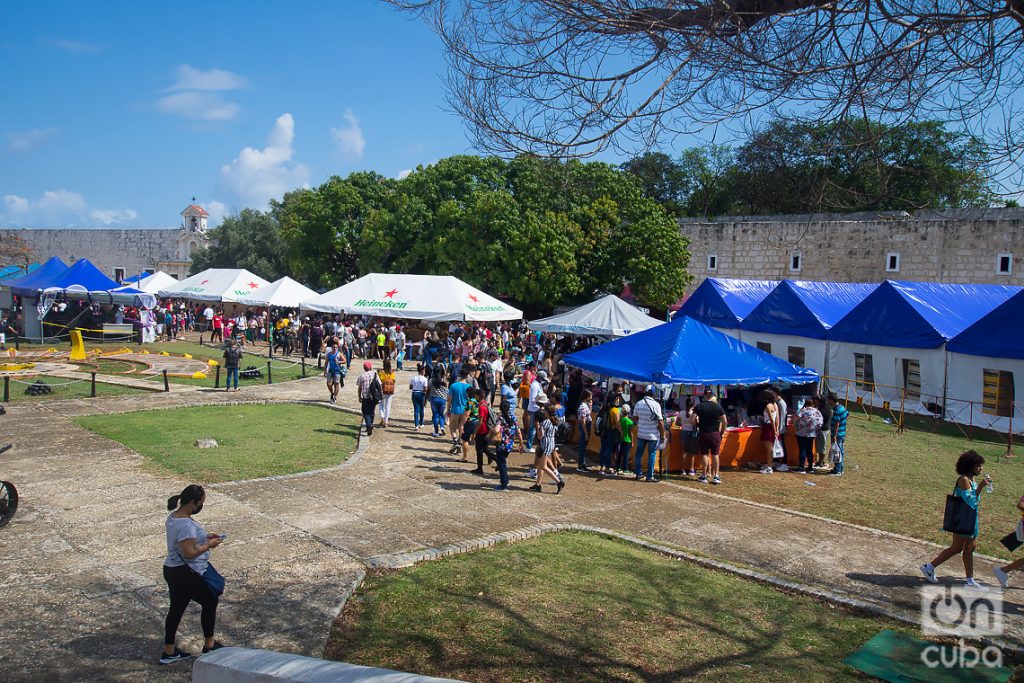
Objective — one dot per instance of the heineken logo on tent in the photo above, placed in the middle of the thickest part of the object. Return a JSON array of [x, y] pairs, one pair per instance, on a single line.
[[387, 302], [194, 289], [243, 292], [475, 307]]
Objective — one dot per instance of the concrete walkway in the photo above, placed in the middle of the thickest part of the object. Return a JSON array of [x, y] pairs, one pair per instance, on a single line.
[[80, 566]]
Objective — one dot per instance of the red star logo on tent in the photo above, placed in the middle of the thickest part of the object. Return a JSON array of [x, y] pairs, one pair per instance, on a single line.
[[391, 294], [253, 285], [204, 282], [474, 299]]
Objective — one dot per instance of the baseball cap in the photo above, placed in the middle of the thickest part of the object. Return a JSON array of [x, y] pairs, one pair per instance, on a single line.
[[367, 365], [543, 374]]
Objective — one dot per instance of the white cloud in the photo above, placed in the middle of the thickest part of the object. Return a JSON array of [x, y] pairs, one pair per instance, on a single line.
[[16, 204], [259, 175], [57, 209], [75, 47], [190, 78], [403, 174], [198, 105], [218, 211], [19, 142], [111, 216], [194, 94], [349, 140]]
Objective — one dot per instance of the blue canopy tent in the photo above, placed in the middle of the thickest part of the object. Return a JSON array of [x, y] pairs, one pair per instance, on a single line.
[[29, 284], [724, 303], [84, 281], [984, 362], [11, 272], [893, 344], [793, 321], [686, 351]]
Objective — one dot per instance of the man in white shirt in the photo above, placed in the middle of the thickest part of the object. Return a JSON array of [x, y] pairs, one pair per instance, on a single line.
[[650, 431], [208, 315]]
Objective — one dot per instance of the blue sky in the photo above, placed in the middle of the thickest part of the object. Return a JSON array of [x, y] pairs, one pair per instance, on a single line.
[[117, 113]]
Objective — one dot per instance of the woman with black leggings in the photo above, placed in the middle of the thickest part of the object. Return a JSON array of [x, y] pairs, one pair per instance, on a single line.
[[188, 557]]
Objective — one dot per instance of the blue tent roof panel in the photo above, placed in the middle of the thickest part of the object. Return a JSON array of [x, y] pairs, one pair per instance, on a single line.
[[686, 351], [83, 274], [39, 278], [805, 309], [725, 302], [999, 334], [918, 314]]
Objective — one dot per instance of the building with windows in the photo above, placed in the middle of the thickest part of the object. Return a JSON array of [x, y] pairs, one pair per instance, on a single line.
[[971, 246], [121, 253]]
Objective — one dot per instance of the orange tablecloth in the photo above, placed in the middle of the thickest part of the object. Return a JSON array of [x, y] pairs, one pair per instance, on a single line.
[[739, 445]]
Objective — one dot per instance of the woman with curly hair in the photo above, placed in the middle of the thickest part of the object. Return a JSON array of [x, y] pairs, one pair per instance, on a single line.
[[968, 466]]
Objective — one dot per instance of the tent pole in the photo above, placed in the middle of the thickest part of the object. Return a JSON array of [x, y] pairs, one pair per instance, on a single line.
[[945, 378]]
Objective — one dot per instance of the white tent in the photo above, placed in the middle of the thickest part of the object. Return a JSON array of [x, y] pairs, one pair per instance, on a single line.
[[151, 284], [609, 316], [416, 297], [227, 285], [284, 292]]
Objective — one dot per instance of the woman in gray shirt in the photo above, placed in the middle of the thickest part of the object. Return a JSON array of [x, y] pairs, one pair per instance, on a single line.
[[188, 557]]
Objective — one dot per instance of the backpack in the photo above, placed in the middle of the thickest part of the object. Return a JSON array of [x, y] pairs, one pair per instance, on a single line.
[[562, 432], [376, 390], [601, 424]]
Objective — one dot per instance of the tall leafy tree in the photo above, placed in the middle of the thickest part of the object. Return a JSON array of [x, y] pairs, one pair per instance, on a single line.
[[250, 240]]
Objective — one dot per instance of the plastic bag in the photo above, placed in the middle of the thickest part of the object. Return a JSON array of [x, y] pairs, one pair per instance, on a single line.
[[834, 454], [777, 452]]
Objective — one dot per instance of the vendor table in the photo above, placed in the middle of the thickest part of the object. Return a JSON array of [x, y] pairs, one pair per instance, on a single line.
[[739, 446]]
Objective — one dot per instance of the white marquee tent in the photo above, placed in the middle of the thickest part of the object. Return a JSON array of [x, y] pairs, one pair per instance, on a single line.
[[227, 285], [416, 297], [151, 284], [285, 292], [609, 316]]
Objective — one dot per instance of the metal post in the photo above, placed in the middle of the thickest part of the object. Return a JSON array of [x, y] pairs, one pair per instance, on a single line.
[[167, 387], [270, 376], [17, 345], [216, 379], [7, 389], [92, 389], [200, 338], [304, 364]]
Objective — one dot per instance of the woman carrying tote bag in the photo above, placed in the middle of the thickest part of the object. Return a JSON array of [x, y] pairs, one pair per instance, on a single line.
[[962, 508]]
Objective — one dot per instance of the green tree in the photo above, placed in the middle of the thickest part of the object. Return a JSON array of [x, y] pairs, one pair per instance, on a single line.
[[664, 180], [857, 165], [250, 240]]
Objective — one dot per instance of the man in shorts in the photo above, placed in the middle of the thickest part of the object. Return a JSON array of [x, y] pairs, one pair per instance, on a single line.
[[458, 402], [334, 373], [711, 423]]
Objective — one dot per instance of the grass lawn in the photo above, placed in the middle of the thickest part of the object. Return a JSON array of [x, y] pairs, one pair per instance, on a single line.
[[896, 482], [254, 440], [581, 607]]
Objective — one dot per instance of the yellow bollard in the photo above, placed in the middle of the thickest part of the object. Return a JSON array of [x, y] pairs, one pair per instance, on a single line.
[[198, 375], [212, 363], [187, 355], [164, 353], [77, 346]]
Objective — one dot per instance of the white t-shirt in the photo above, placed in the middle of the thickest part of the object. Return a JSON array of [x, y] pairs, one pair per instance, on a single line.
[[536, 389], [647, 415], [418, 383], [783, 412], [208, 313]]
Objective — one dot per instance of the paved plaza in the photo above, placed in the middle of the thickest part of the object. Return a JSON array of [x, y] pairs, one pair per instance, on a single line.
[[80, 564]]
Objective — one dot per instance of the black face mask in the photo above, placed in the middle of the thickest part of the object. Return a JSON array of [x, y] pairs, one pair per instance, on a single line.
[[198, 509]]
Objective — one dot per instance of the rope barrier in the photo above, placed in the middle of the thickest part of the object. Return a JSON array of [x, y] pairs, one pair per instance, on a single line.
[[50, 384]]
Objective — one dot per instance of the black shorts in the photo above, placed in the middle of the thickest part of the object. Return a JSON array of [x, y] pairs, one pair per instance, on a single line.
[[469, 430], [710, 442]]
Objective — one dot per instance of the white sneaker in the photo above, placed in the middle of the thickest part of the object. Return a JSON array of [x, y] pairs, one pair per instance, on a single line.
[[1002, 577], [765, 470], [971, 583], [782, 467], [929, 572], [531, 473]]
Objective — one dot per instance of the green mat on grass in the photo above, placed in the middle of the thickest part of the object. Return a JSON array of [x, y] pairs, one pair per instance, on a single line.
[[898, 658]]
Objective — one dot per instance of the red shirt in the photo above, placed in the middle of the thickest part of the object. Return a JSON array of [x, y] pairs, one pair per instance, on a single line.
[[218, 322], [484, 413]]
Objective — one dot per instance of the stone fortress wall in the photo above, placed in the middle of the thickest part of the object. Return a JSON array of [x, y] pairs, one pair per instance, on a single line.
[[966, 246], [129, 250]]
